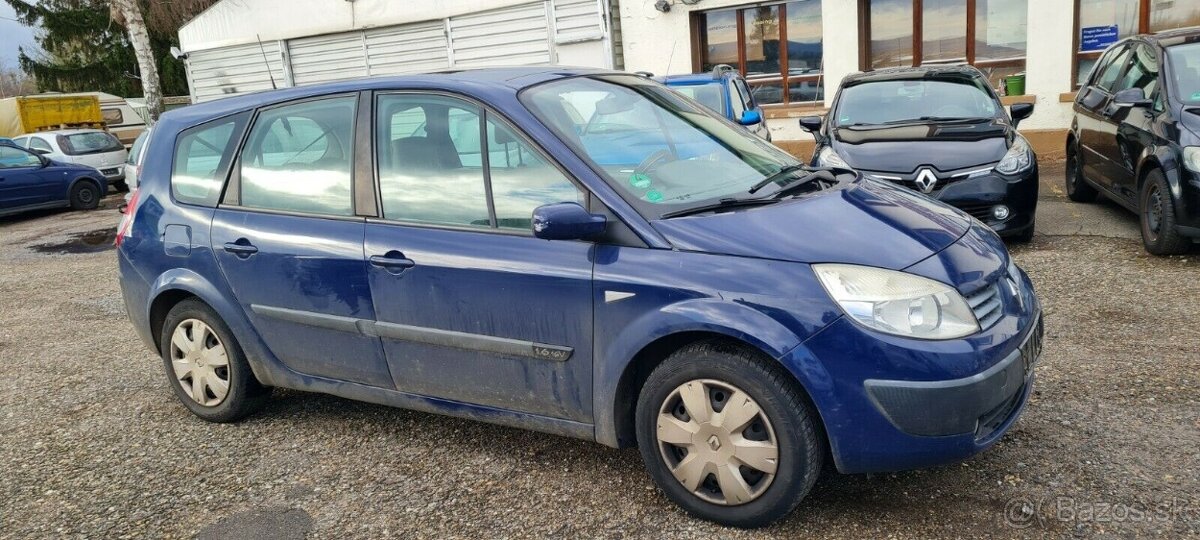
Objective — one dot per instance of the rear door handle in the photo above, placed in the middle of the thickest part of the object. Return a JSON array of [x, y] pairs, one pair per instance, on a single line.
[[393, 260], [242, 248]]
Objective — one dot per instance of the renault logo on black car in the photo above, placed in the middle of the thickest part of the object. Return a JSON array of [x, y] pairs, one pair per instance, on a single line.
[[926, 180]]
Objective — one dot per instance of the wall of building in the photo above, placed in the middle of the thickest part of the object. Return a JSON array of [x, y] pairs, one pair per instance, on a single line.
[[661, 43]]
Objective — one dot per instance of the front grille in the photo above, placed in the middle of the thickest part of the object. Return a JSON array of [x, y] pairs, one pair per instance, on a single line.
[[109, 172], [986, 305]]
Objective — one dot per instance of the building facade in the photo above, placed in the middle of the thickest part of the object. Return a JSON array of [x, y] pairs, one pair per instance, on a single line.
[[237, 46], [793, 52]]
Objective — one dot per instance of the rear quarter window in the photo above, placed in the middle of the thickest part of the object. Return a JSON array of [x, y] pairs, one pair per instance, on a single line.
[[202, 157]]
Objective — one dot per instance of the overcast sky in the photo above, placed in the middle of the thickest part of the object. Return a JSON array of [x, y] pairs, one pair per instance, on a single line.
[[12, 35]]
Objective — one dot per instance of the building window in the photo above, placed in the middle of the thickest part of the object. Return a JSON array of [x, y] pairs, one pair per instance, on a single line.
[[989, 34], [1100, 23], [753, 39]]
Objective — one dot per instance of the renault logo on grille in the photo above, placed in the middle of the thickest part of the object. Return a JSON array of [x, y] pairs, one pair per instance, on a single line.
[[926, 180]]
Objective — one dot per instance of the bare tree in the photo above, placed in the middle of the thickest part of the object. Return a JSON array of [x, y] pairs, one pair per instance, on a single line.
[[129, 13]]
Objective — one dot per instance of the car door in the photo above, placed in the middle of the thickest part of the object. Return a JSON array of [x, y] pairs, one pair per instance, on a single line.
[[1134, 125], [290, 246], [470, 306], [21, 181], [1097, 126]]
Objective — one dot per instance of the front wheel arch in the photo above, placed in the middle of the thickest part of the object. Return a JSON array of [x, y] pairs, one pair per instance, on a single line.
[[656, 352]]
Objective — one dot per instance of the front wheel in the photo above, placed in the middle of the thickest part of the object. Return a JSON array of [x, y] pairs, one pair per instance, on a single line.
[[727, 435], [85, 195], [1157, 212]]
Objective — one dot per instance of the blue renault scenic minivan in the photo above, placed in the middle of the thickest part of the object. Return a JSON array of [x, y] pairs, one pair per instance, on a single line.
[[578, 252]]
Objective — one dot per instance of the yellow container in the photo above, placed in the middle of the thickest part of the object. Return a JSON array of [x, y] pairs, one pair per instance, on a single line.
[[27, 114]]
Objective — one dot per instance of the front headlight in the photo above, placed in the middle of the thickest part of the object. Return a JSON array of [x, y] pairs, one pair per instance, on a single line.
[[1018, 158], [1191, 158], [828, 158], [898, 303]]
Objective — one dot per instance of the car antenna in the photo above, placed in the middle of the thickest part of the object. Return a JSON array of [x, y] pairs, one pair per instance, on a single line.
[[265, 61]]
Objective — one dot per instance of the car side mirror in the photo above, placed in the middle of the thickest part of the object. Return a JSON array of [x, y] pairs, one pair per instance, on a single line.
[[1131, 97], [566, 221], [811, 124], [1020, 111], [45, 160], [750, 118]]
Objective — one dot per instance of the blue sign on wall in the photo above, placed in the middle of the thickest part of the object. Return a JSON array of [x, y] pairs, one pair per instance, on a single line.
[[1097, 38]]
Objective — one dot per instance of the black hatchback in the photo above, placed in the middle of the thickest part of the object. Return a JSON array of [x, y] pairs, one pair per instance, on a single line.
[[939, 130], [1135, 136]]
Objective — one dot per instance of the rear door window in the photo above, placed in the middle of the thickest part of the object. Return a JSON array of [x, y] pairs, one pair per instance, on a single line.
[[298, 158], [202, 158]]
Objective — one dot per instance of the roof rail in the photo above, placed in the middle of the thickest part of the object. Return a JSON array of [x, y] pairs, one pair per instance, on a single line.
[[720, 70]]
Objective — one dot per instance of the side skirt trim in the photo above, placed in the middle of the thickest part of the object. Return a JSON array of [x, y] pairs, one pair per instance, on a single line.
[[419, 334]]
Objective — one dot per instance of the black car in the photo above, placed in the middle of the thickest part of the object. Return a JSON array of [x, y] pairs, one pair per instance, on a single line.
[[940, 130], [1136, 136]]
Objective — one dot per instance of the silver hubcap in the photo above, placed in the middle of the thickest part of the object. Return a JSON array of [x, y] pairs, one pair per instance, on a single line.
[[200, 363], [717, 442]]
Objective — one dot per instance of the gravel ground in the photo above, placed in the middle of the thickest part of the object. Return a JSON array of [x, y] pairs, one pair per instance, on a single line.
[[93, 444]]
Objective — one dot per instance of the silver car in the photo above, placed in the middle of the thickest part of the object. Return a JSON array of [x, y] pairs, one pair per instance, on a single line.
[[91, 147]]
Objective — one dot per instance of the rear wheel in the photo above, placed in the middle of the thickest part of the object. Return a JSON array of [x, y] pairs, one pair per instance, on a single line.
[[1078, 189], [85, 195], [1157, 211], [727, 435], [205, 365]]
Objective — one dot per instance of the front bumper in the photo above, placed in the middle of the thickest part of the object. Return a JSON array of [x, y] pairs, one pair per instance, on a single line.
[[978, 196], [977, 404], [890, 403]]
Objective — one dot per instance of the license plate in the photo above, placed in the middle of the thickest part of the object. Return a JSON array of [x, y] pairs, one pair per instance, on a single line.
[[1032, 348], [109, 172]]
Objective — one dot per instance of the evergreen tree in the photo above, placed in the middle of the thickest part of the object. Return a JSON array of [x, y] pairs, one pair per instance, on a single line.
[[85, 48]]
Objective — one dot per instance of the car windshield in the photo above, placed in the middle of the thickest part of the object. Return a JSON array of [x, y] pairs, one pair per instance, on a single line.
[[662, 152], [916, 100], [708, 94], [1185, 72], [89, 142]]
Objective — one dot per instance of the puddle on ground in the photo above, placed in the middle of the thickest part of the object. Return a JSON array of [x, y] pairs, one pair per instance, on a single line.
[[86, 242]]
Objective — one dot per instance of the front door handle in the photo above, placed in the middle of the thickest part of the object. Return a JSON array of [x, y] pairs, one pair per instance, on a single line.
[[392, 261], [242, 248]]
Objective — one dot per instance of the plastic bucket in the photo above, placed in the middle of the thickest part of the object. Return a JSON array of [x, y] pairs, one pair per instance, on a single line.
[[1015, 85]]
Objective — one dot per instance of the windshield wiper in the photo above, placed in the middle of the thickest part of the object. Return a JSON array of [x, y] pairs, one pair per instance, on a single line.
[[939, 119], [825, 175], [779, 175], [719, 205]]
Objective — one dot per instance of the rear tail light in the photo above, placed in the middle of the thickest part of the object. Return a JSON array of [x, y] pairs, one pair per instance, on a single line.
[[129, 211]]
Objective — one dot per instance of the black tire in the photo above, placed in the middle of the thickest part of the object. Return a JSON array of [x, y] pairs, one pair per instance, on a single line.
[[1078, 189], [1023, 237], [245, 394], [788, 414], [1156, 212], [85, 195]]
